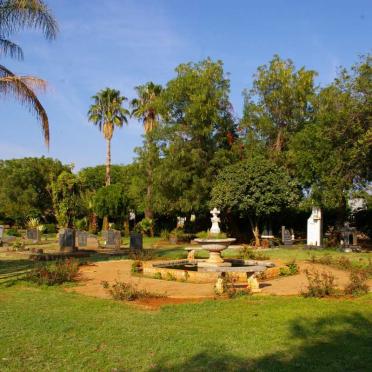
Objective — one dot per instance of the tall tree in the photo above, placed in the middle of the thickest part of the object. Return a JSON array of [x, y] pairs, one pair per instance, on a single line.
[[279, 103], [107, 112], [194, 137], [16, 15], [144, 108], [333, 155]]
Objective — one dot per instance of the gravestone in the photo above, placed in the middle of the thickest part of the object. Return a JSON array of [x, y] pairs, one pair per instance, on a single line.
[[1, 231], [286, 236], [33, 234], [82, 238], [112, 239], [314, 228], [136, 241], [66, 239], [92, 241]]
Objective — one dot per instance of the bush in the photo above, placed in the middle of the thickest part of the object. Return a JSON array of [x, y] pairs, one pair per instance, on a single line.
[[144, 226], [57, 273], [50, 228], [158, 275], [122, 291], [289, 269], [18, 245], [142, 255], [358, 283], [164, 234], [248, 253], [226, 285], [13, 232], [137, 266], [170, 277], [320, 284]]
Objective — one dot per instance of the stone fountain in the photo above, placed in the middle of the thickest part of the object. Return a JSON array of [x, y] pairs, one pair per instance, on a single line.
[[213, 244]]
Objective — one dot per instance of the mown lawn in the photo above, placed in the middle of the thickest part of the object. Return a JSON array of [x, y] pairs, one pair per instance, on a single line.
[[47, 329]]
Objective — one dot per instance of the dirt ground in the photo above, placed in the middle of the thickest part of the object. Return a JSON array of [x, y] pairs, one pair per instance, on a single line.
[[174, 292]]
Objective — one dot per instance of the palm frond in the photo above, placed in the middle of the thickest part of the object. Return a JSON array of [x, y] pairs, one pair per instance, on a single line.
[[7, 47], [23, 89], [19, 14]]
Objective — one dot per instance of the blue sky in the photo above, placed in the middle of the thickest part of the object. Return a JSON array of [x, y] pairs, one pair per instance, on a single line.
[[124, 43]]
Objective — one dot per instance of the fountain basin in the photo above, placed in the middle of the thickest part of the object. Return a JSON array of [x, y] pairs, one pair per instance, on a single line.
[[214, 247]]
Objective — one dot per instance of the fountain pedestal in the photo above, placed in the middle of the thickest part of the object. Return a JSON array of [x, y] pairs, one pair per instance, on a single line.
[[214, 247]]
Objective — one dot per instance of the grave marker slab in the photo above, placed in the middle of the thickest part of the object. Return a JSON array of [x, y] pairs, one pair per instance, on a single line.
[[112, 239], [66, 239], [286, 236], [81, 237], [33, 234], [136, 241]]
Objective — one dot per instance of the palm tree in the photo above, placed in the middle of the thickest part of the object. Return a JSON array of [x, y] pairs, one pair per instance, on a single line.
[[144, 109], [107, 112], [16, 15]]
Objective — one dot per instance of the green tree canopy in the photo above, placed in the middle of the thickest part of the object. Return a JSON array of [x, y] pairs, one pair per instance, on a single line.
[[279, 103], [254, 188], [25, 188], [111, 201]]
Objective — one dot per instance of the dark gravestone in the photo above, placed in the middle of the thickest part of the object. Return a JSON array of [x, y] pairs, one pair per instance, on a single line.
[[112, 239], [286, 236], [33, 234], [136, 241], [66, 238], [82, 238]]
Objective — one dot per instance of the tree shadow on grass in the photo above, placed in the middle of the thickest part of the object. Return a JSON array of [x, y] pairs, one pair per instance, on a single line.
[[12, 271], [339, 343]]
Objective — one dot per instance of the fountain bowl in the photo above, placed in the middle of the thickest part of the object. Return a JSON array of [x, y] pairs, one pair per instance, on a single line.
[[214, 247]]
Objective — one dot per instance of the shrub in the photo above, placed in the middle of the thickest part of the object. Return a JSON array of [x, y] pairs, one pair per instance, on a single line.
[[358, 283], [144, 226], [170, 277], [226, 286], [137, 266], [289, 269], [13, 232], [18, 245], [50, 228], [164, 234], [158, 275], [326, 260], [122, 291], [320, 284], [248, 253], [344, 263], [57, 273]]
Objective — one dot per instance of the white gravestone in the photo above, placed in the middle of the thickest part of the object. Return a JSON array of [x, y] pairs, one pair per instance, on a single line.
[[215, 229], [314, 228]]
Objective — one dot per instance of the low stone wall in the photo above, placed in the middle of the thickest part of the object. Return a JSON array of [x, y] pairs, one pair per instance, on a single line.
[[158, 270]]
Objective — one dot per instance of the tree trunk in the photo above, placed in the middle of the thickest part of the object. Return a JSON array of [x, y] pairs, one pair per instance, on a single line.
[[108, 162], [278, 146], [105, 223], [255, 231], [149, 213], [93, 223]]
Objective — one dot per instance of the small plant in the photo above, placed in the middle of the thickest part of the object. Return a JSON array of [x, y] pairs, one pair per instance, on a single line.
[[320, 284], [33, 223], [247, 253], [57, 273], [41, 229], [122, 291], [137, 266], [164, 234], [344, 263], [18, 245], [13, 232], [169, 276], [158, 275], [358, 283], [326, 260], [50, 228], [289, 269], [144, 226], [226, 285]]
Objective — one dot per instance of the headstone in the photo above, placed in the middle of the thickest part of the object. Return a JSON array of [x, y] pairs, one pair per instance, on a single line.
[[286, 236], [215, 229], [136, 241], [33, 234], [81, 237], [314, 228], [181, 222], [1, 231], [112, 239], [66, 239], [92, 242]]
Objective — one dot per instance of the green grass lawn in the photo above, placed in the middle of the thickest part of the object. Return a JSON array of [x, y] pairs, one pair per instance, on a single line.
[[47, 329]]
